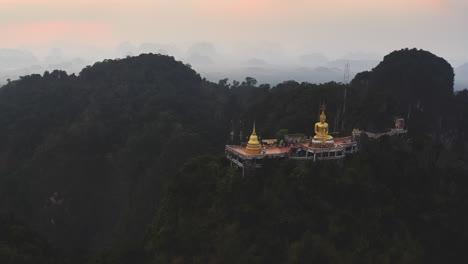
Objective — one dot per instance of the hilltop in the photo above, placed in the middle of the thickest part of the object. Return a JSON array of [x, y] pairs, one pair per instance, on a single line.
[[84, 161]]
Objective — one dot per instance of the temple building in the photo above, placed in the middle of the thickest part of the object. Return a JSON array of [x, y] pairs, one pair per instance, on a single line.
[[399, 130], [320, 147]]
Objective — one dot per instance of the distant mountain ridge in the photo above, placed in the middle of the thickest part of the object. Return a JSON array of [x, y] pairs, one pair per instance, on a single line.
[[461, 77]]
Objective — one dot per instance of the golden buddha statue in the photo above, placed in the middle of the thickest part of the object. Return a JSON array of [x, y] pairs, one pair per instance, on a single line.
[[253, 146], [321, 128]]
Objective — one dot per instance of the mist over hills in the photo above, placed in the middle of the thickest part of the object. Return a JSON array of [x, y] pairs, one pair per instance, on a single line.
[[267, 62], [19, 62], [461, 77]]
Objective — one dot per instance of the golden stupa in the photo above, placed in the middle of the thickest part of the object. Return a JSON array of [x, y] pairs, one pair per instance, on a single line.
[[321, 128], [253, 146]]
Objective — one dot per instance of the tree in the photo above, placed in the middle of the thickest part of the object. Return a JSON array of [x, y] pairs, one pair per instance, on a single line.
[[224, 82], [281, 134], [249, 81], [235, 84]]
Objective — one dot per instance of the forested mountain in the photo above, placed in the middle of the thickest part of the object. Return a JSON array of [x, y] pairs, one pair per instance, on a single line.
[[19, 244], [385, 205], [411, 83], [83, 158], [84, 161]]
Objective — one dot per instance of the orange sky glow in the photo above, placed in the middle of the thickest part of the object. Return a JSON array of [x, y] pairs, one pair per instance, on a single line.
[[52, 31], [257, 7], [109, 22]]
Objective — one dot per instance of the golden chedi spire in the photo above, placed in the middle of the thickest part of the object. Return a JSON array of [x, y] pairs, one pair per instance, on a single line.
[[253, 146]]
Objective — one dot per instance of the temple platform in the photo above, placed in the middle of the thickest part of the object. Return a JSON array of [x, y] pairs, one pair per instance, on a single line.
[[333, 149], [305, 150], [320, 143]]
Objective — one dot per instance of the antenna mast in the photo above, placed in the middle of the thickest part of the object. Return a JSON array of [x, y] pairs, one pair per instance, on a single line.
[[231, 134], [346, 83], [241, 129]]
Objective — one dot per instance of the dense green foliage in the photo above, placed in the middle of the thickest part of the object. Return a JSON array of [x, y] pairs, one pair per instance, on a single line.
[[296, 107], [413, 84], [410, 83], [84, 158], [397, 201], [84, 161], [103, 141], [382, 206], [20, 245]]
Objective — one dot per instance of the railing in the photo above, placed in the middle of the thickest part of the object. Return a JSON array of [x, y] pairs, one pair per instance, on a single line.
[[330, 157], [341, 148], [334, 149], [302, 158], [231, 149], [390, 133], [344, 138], [238, 163]]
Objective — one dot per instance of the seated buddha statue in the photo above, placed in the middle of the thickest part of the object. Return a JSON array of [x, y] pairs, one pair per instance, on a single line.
[[321, 128]]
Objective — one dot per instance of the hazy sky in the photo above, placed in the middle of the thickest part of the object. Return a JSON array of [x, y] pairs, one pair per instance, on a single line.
[[332, 27]]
